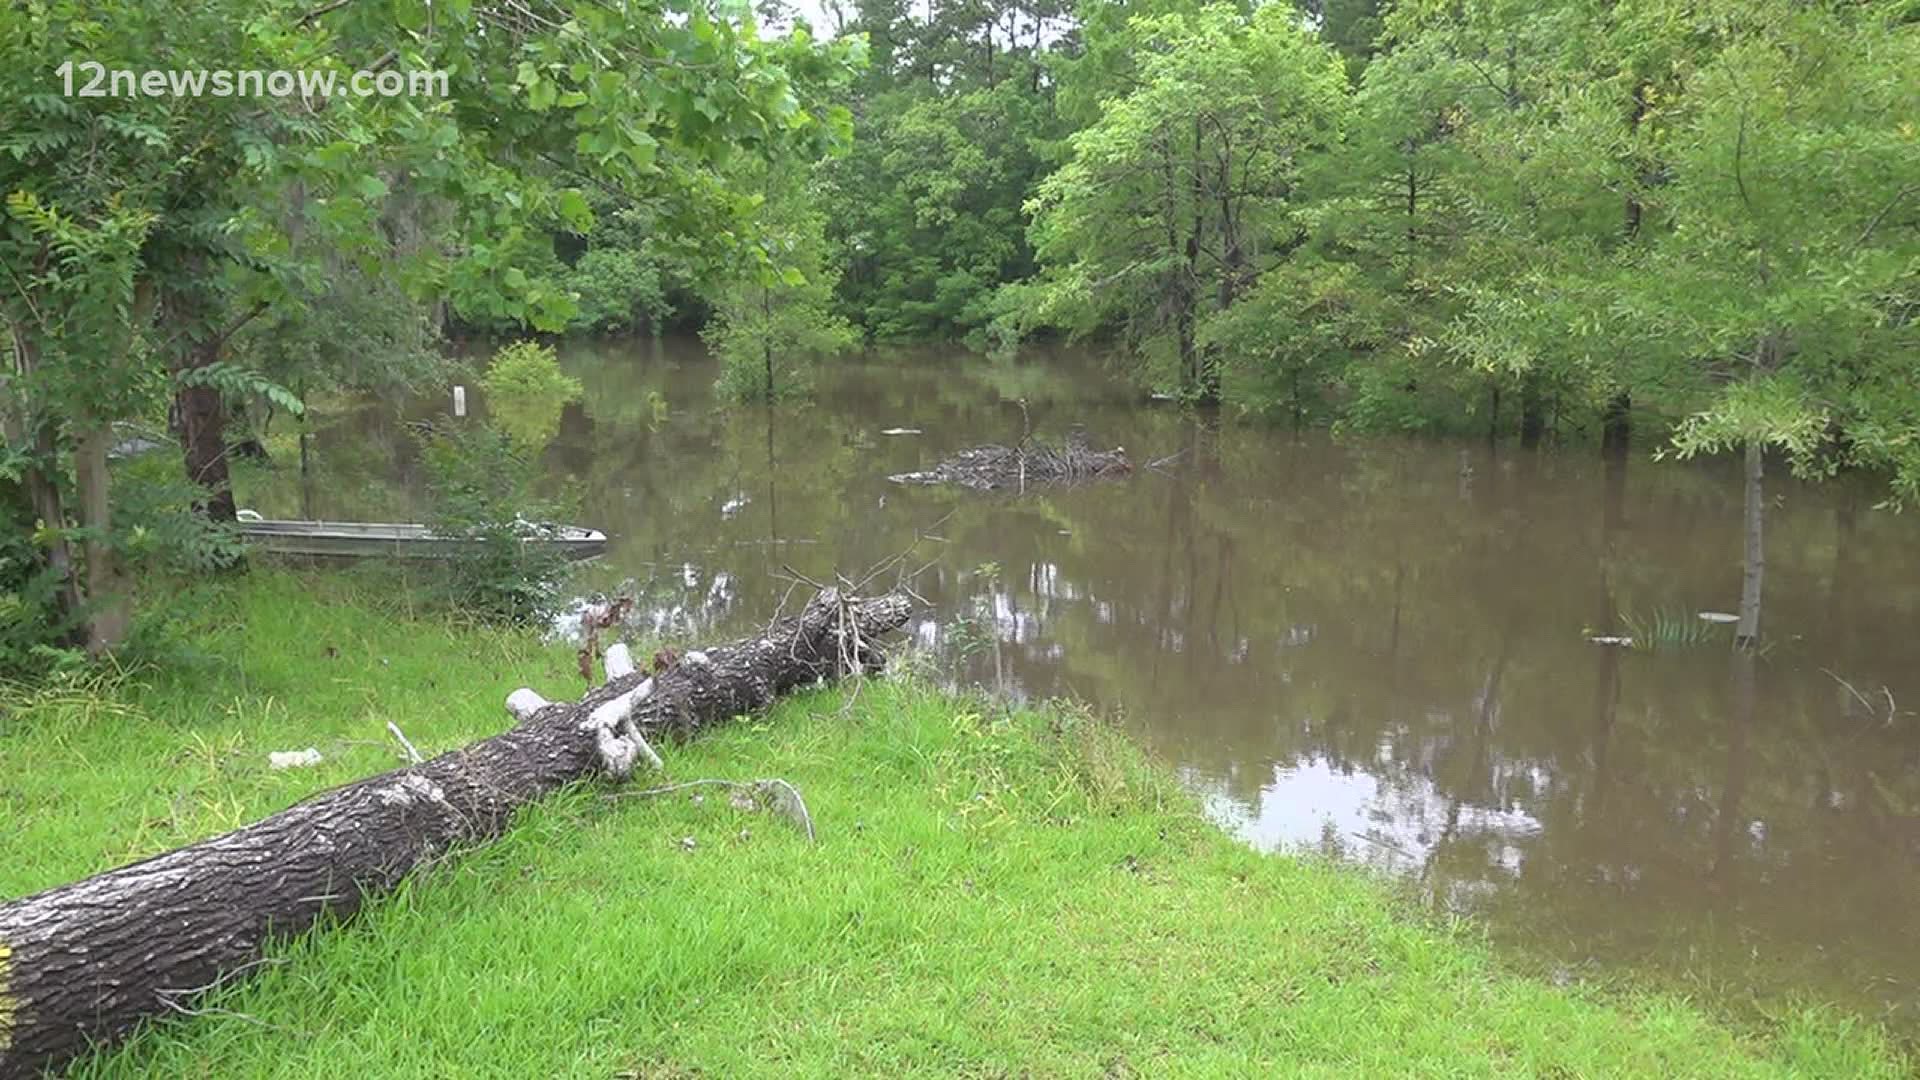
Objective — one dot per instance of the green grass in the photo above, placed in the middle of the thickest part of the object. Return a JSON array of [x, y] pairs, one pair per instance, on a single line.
[[992, 893], [1660, 630]]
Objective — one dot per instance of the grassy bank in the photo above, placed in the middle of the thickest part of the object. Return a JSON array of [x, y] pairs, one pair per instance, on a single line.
[[992, 893]]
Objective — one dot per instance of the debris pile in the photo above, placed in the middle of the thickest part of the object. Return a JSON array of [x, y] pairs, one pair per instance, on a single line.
[[1032, 463]]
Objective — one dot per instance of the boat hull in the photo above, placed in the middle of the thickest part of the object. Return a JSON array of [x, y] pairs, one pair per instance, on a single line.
[[371, 540]]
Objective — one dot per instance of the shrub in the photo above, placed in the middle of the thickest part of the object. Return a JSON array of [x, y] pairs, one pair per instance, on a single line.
[[158, 537], [526, 392], [617, 289], [482, 487]]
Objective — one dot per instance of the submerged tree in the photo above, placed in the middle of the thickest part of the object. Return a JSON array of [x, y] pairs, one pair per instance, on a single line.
[[1782, 289], [526, 393], [774, 315]]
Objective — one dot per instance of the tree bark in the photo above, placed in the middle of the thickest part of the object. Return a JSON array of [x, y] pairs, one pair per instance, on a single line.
[[1634, 208], [108, 615], [1617, 424], [766, 311], [201, 412], [1533, 413], [203, 438], [83, 964]]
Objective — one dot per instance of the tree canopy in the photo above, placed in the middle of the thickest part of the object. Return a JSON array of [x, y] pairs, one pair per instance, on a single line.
[[1549, 220]]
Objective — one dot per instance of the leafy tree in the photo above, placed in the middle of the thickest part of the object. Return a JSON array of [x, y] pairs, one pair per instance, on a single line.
[[950, 171], [955, 121], [76, 315], [1780, 324], [774, 315], [1182, 187], [617, 289], [541, 98]]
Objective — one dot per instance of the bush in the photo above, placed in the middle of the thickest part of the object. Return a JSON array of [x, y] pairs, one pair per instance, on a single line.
[[35, 637], [526, 392], [482, 486], [157, 535], [617, 289], [768, 336]]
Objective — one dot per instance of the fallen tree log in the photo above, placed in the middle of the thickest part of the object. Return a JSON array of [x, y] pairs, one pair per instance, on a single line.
[[83, 964]]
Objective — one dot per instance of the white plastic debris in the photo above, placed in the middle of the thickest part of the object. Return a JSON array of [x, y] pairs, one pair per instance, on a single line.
[[293, 759], [619, 661]]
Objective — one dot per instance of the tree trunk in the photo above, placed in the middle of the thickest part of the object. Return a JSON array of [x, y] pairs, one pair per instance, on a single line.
[[1634, 209], [1616, 431], [203, 437], [1413, 200], [306, 474], [1755, 563], [200, 411], [82, 964], [1533, 413], [1183, 330], [1206, 376], [40, 479], [107, 605], [766, 310]]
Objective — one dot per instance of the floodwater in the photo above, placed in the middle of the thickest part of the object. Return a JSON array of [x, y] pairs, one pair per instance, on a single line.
[[1373, 648]]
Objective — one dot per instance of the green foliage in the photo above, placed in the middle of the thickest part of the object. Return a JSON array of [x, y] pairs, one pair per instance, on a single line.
[[526, 392], [35, 634], [956, 122], [158, 242], [928, 206], [72, 302], [774, 316], [236, 384], [157, 536], [1661, 630], [617, 289], [1170, 202], [1288, 342], [1519, 215], [157, 532], [482, 486]]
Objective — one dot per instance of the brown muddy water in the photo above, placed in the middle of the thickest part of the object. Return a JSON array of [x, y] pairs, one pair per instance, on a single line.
[[1373, 648]]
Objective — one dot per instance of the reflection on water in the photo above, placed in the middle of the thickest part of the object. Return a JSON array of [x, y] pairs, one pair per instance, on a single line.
[[1377, 649]]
